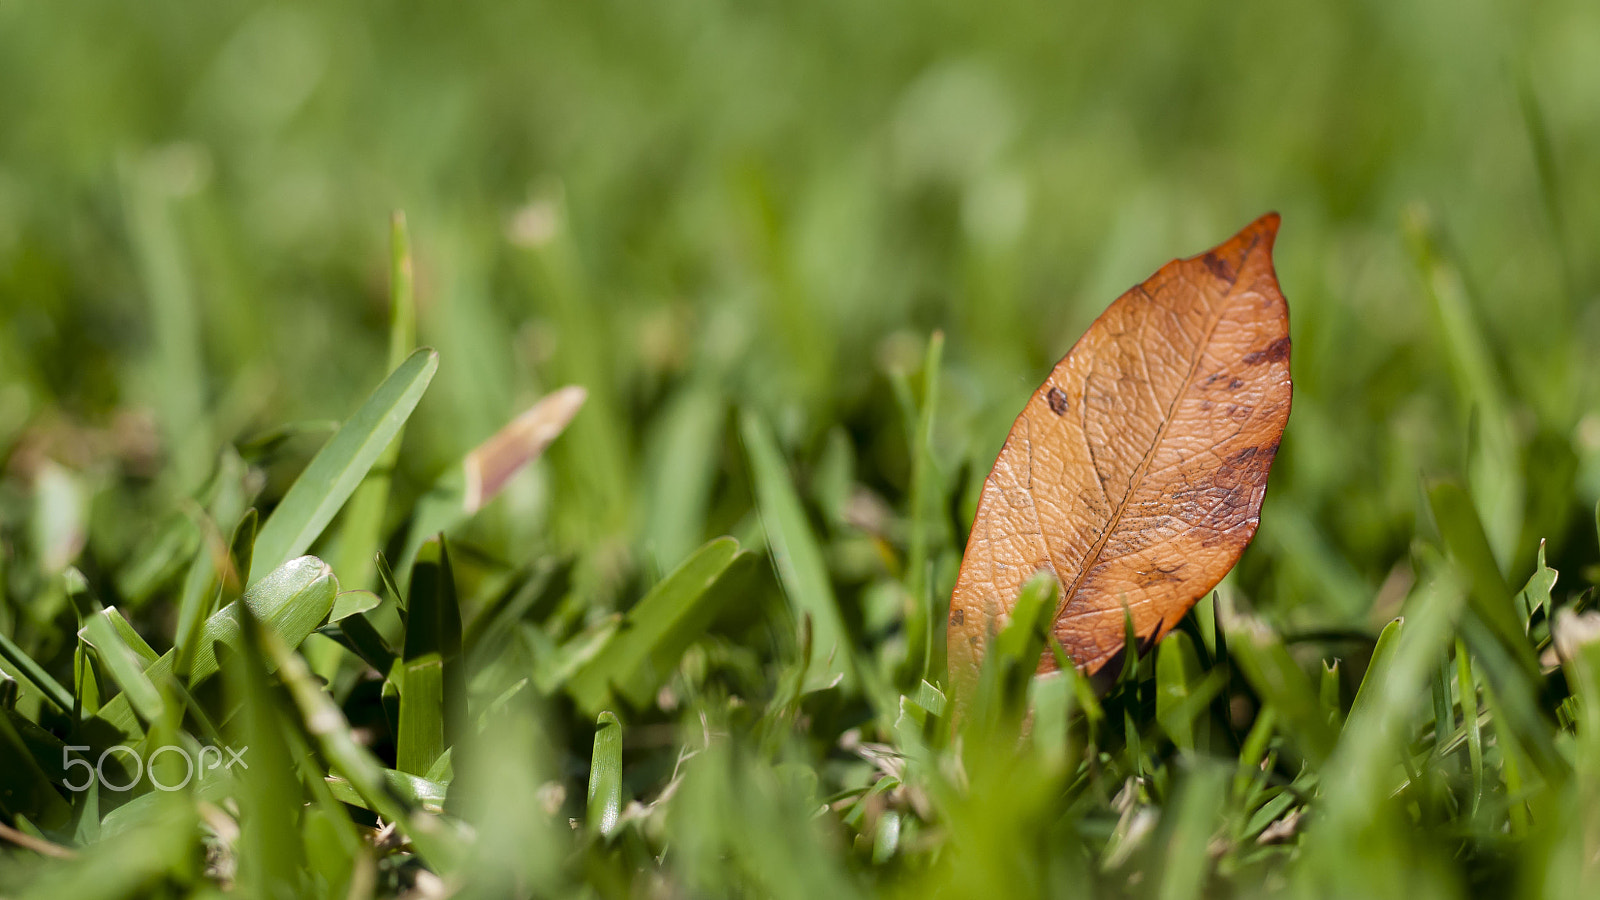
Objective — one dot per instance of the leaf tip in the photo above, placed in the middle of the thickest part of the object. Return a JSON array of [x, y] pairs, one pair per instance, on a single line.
[[1262, 233]]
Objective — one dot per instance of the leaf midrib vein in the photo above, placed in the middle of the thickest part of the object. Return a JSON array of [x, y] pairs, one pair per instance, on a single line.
[[1139, 471]]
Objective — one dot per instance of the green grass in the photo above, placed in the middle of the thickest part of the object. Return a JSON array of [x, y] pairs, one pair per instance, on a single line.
[[806, 261]]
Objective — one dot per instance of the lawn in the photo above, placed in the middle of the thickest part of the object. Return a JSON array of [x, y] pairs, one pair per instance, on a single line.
[[526, 449]]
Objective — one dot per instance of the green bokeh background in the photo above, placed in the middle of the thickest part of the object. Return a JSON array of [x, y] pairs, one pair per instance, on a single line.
[[778, 200], [698, 207]]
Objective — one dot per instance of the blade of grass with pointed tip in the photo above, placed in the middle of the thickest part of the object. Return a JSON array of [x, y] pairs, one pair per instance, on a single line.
[[362, 532], [1443, 716], [1535, 595], [443, 769], [35, 675], [645, 650], [485, 471], [419, 792], [605, 775], [125, 665], [1495, 464], [129, 636], [1353, 779], [338, 468], [1052, 705], [1328, 695], [1492, 632], [1377, 666], [925, 655], [1490, 597], [799, 560], [433, 632], [241, 553], [194, 604], [1177, 680], [349, 603], [995, 698]]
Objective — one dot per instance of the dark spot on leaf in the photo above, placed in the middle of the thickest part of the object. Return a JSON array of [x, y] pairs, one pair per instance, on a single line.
[[958, 617], [1235, 384], [1252, 463], [1057, 400], [1219, 267], [1276, 351]]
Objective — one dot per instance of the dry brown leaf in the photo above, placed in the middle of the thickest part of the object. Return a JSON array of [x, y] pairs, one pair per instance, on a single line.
[[1136, 471], [492, 464]]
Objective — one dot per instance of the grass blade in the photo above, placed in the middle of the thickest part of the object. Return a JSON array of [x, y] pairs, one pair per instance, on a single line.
[[361, 534], [25, 789], [35, 675], [433, 630], [605, 775], [644, 651], [681, 468], [338, 468], [125, 665], [484, 472], [1467, 697], [927, 614], [350, 603], [420, 740], [419, 792], [1178, 685], [271, 857], [797, 556], [290, 603], [1495, 464], [330, 731], [178, 379], [1281, 683], [1490, 597], [1187, 861], [1535, 595]]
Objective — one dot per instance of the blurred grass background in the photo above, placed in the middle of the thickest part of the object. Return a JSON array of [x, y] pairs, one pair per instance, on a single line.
[[757, 204], [700, 208]]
